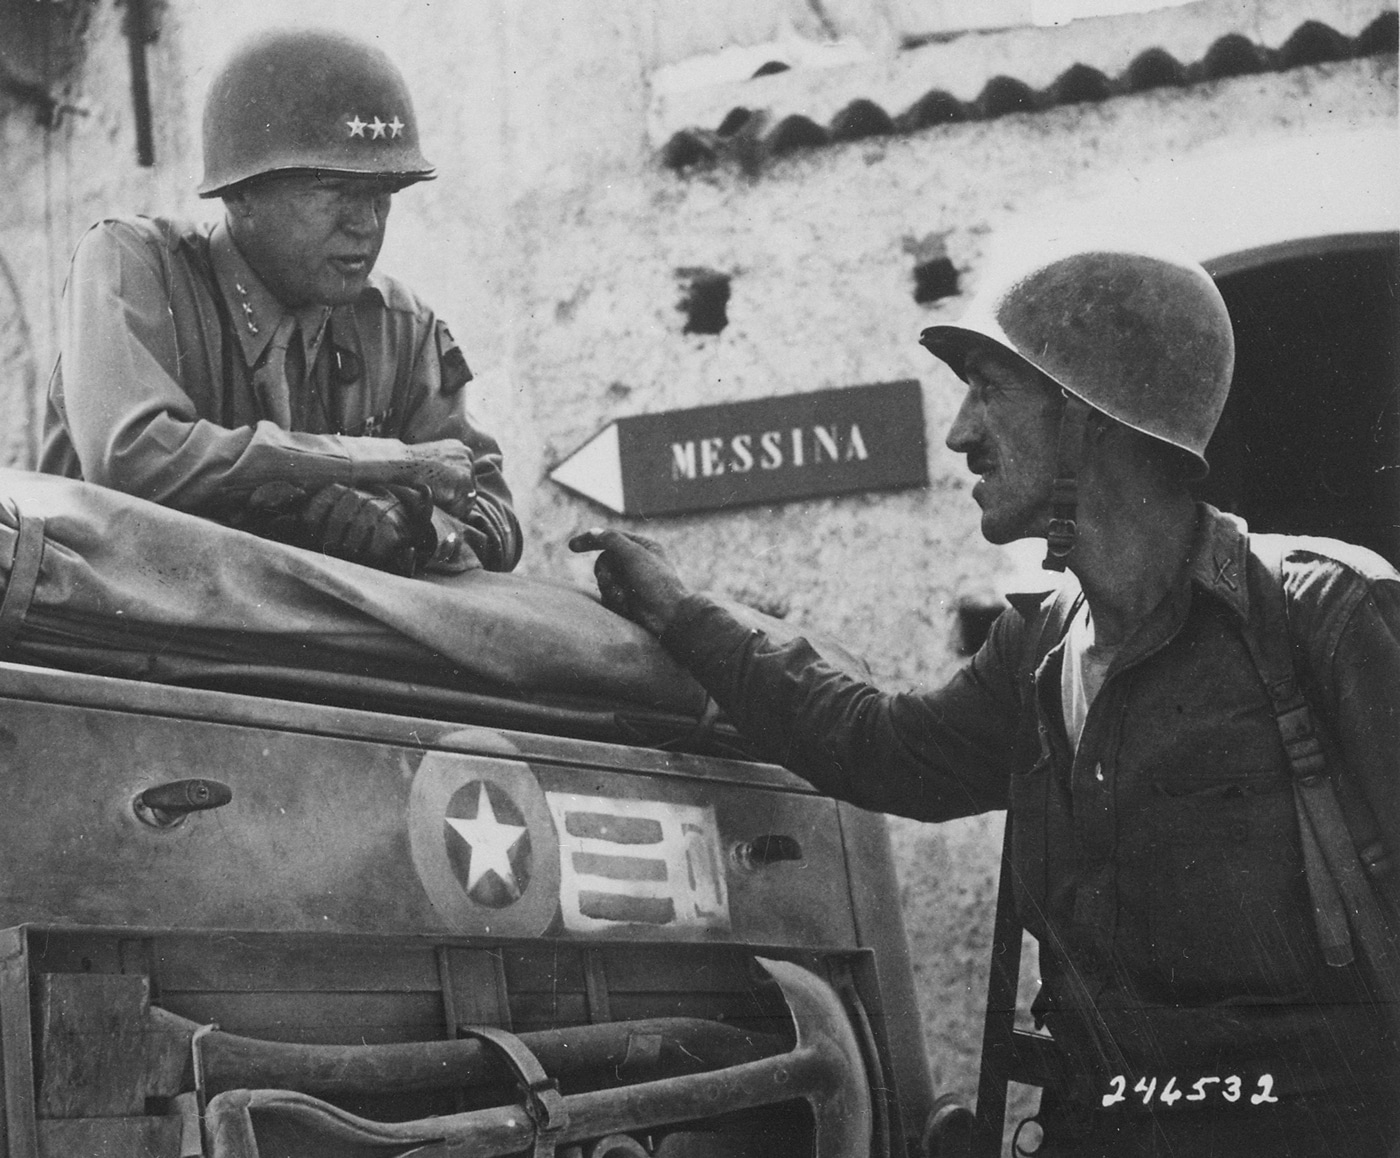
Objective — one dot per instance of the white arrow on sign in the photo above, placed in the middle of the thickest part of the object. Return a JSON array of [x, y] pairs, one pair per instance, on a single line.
[[766, 450], [594, 470]]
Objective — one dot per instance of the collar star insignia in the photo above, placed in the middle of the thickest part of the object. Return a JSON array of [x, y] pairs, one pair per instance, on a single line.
[[490, 841], [396, 127], [377, 127], [249, 317], [357, 126]]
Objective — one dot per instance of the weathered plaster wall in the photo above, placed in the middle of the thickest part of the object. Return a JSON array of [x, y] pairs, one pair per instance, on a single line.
[[58, 180], [552, 241]]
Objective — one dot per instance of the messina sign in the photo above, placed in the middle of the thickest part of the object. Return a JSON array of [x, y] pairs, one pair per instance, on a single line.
[[827, 442]]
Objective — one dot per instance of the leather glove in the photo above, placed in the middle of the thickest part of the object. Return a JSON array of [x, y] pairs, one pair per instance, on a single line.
[[465, 544], [271, 511], [389, 527], [445, 467], [453, 552]]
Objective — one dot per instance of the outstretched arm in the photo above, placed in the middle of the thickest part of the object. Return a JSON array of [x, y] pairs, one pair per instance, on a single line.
[[936, 756], [636, 578]]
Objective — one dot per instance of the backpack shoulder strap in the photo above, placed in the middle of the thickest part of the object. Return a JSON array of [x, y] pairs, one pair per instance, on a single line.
[[1343, 899]]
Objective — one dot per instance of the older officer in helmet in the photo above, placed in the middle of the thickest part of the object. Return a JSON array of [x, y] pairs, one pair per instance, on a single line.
[[1178, 810], [259, 371]]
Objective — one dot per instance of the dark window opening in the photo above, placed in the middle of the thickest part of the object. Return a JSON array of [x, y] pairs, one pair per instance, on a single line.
[[934, 280], [704, 300], [734, 120], [1310, 439]]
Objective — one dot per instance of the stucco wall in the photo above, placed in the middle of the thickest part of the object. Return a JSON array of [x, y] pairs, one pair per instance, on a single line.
[[58, 180], [552, 242]]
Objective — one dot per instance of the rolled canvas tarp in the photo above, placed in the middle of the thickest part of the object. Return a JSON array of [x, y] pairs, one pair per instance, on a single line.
[[136, 589]]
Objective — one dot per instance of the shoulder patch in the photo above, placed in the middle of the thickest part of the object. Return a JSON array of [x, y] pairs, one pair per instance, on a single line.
[[451, 361]]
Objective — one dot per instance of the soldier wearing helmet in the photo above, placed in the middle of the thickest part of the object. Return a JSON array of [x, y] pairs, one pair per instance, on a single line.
[[259, 371], [1196, 737]]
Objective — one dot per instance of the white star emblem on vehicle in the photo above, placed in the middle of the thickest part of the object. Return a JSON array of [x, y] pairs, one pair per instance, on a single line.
[[378, 127], [395, 127], [357, 126], [491, 842]]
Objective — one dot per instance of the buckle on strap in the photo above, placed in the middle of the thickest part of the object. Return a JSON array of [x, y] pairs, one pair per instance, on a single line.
[[1059, 542], [1061, 530], [544, 1104], [1069, 453]]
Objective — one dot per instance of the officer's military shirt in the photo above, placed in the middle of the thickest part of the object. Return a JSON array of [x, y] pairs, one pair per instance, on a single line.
[[163, 390], [1159, 863]]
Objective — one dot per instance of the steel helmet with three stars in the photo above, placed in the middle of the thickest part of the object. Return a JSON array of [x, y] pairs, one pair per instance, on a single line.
[[1141, 335], [302, 99]]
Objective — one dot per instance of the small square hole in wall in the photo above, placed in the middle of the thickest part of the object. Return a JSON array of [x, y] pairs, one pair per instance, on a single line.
[[934, 280], [704, 300]]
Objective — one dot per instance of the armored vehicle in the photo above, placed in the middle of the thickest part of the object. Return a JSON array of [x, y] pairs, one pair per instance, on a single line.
[[297, 914]]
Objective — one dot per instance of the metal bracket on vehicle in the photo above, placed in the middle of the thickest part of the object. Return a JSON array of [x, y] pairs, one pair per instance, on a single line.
[[201, 1099], [824, 1067], [543, 1102]]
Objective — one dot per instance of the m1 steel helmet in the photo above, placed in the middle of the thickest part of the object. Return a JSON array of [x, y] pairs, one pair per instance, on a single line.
[[309, 99], [1145, 338]]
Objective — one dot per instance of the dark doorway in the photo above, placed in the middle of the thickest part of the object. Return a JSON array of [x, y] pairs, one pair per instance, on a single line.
[[1310, 440]]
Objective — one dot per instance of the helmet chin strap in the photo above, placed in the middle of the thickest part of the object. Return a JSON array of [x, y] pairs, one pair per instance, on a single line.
[[1064, 498]]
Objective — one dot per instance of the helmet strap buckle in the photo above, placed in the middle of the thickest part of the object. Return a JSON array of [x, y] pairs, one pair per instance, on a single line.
[[1059, 542], [1062, 528]]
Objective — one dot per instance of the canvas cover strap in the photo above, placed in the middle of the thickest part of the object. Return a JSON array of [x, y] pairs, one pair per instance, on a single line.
[[24, 576]]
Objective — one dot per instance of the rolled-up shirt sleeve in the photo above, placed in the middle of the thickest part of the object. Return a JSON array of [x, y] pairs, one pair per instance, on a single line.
[[931, 756]]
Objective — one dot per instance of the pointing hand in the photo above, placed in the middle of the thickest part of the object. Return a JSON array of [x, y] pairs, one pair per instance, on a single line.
[[635, 577]]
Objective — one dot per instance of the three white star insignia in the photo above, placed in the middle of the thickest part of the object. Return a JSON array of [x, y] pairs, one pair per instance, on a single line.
[[377, 127], [490, 841]]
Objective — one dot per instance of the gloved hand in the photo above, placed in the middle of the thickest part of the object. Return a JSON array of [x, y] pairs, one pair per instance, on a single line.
[[635, 577], [464, 544], [388, 527], [271, 511], [445, 467]]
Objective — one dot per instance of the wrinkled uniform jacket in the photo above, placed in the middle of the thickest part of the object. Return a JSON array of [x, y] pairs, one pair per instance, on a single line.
[[155, 392], [1159, 865]]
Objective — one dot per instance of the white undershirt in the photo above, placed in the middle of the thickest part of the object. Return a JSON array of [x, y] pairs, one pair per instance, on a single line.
[[1082, 673]]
